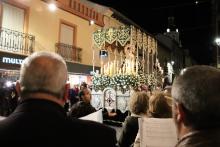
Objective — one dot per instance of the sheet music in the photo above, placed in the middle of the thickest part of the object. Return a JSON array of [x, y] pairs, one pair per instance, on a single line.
[[155, 132], [95, 116], [2, 117]]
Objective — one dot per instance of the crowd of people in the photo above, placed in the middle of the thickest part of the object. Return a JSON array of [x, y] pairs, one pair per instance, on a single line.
[[141, 105], [8, 98], [40, 119]]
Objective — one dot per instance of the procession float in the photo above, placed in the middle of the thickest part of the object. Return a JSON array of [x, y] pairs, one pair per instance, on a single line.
[[128, 60]]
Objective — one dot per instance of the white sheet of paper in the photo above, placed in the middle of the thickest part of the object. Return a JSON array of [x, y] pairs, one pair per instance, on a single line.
[[95, 116], [155, 132], [2, 117]]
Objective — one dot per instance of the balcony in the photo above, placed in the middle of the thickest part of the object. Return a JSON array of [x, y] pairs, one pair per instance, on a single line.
[[69, 52], [16, 42]]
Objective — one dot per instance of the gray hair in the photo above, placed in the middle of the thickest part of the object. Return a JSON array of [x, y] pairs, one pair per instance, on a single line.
[[138, 103], [43, 72], [197, 88]]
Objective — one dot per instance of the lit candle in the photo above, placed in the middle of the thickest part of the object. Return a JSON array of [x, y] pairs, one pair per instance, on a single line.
[[126, 66], [114, 67], [132, 66], [148, 62], [108, 68], [123, 69], [111, 69], [129, 67], [136, 67], [104, 70], [101, 68], [117, 68]]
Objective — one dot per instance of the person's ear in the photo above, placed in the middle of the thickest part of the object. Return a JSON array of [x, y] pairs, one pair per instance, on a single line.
[[180, 114], [66, 92], [18, 88]]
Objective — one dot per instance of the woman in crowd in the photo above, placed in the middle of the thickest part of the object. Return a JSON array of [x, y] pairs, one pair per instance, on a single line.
[[138, 105], [159, 107]]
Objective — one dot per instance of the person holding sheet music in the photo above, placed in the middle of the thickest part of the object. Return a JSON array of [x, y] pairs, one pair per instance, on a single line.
[[158, 108], [138, 105]]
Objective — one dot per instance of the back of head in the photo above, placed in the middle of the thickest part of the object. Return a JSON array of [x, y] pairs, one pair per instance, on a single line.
[[83, 85], [138, 103], [197, 89], [43, 72], [159, 106]]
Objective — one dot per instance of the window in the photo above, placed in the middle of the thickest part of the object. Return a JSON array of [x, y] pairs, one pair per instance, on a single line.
[[67, 33], [67, 46], [13, 17]]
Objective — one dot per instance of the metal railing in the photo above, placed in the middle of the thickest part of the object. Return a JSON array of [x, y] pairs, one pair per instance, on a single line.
[[14, 41], [69, 52]]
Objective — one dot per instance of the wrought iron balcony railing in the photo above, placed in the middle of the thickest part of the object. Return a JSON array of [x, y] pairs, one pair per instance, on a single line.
[[69, 52], [14, 41]]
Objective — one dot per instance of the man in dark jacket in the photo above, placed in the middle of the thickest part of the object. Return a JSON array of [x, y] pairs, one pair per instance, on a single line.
[[83, 107], [196, 107], [40, 120]]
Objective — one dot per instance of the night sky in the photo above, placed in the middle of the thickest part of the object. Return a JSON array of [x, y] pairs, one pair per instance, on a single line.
[[192, 19]]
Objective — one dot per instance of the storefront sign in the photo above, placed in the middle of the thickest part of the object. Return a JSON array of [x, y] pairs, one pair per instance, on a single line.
[[12, 60]]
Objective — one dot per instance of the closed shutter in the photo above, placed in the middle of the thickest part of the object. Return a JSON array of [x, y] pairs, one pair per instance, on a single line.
[[13, 17], [66, 34], [12, 38]]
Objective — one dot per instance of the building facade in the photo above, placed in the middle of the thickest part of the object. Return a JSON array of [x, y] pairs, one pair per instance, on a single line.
[[216, 33], [63, 27], [170, 52]]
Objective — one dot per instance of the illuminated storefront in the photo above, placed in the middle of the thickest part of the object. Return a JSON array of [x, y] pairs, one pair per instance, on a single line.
[[9, 66], [79, 73]]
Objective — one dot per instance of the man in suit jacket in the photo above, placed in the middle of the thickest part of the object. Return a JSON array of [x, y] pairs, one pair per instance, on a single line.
[[40, 120]]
